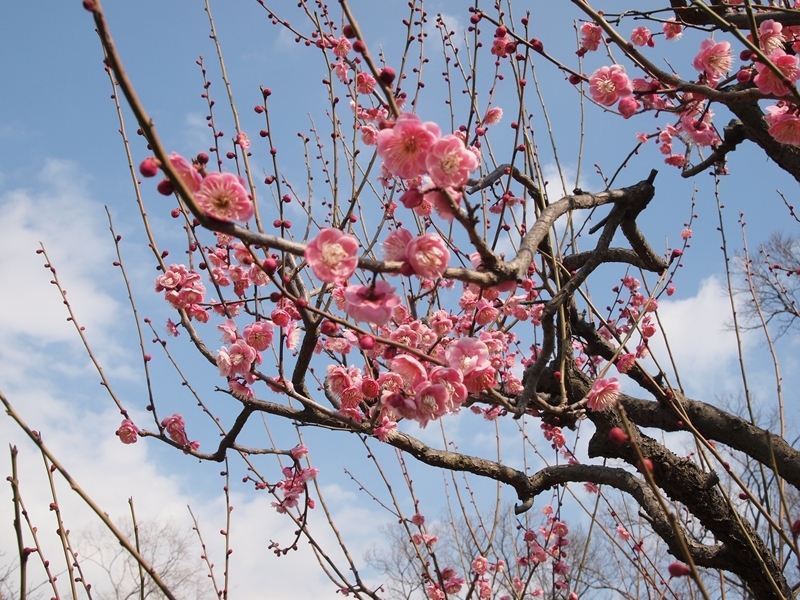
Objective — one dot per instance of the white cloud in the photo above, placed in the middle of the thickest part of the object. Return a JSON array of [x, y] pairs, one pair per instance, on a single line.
[[700, 336]]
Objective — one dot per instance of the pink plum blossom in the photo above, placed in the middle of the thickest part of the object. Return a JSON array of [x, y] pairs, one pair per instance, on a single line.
[[768, 82], [714, 59], [625, 363], [471, 357], [628, 106], [332, 255], [128, 432], [191, 177], [641, 36], [432, 400], [373, 304], [236, 360], [449, 162], [383, 430], [604, 393], [493, 116], [428, 255], [672, 29], [591, 36], [259, 335], [394, 247], [410, 370], [784, 124], [770, 36], [224, 197], [176, 429], [365, 83], [404, 147], [609, 84]]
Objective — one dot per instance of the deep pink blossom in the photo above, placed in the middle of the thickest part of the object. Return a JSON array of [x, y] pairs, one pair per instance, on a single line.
[[236, 360], [332, 255], [405, 146], [128, 432], [341, 47], [714, 59], [224, 197], [768, 82], [480, 565], [604, 393], [386, 426], [449, 162], [428, 255], [373, 304], [440, 203], [628, 106], [609, 84], [176, 429]]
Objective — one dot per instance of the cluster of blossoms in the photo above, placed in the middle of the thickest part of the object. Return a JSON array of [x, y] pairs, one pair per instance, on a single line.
[[296, 480], [222, 196], [184, 290], [176, 430], [636, 312], [610, 85], [553, 546]]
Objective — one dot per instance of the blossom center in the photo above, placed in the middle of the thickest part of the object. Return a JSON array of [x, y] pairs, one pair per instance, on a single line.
[[333, 254], [450, 163]]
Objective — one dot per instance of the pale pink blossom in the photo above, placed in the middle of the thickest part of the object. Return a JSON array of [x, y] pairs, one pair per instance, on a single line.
[[714, 59], [604, 393], [229, 331], [191, 177], [623, 533], [591, 36], [242, 140], [235, 360], [770, 36], [480, 565], [672, 29], [373, 304], [768, 82], [259, 335], [128, 432], [394, 246], [449, 162], [432, 400], [609, 84], [405, 146], [410, 370], [471, 357], [437, 199], [332, 255], [493, 116], [428, 255], [342, 70], [369, 135], [386, 426], [641, 36], [784, 124], [224, 197], [341, 47], [365, 83]]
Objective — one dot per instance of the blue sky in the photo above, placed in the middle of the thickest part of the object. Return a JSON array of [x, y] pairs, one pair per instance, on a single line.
[[62, 161]]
